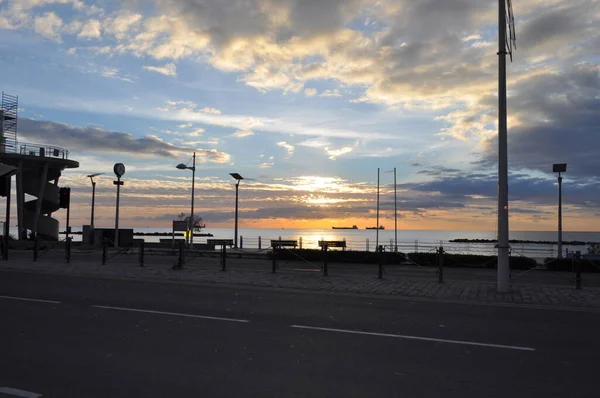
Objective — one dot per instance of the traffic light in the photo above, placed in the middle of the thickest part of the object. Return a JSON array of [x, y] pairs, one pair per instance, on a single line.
[[64, 197]]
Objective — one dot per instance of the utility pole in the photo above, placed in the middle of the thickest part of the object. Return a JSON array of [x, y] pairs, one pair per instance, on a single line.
[[503, 254]]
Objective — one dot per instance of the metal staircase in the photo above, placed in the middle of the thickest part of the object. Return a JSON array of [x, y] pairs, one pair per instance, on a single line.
[[9, 112]]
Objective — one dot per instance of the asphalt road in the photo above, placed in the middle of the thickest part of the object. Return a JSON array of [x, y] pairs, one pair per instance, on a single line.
[[111, 338]]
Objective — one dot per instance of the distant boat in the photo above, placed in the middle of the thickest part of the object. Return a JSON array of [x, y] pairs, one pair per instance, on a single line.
[[380, 227], [352, 227]]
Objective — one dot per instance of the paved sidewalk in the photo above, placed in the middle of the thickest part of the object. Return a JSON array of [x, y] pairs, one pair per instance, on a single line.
[[463, 291]]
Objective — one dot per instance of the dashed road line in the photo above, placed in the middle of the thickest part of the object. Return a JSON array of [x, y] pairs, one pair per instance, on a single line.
[[214, 318], [400, 336], [30, 299]]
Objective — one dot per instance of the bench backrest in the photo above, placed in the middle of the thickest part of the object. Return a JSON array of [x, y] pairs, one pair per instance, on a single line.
[[332, 243], [283, 243], [220, 242]]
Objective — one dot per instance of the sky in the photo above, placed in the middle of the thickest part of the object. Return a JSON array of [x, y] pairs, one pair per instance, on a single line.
[[306, 99]]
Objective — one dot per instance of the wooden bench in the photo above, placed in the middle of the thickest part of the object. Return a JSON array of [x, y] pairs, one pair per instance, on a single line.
[[279, 243], [333, 243], [220, 242]]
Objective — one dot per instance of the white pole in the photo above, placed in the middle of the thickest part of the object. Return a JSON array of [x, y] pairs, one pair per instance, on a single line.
[[559, 215], [192, 210], [117, 213], [377, 227], [503, 255], [395, 214]]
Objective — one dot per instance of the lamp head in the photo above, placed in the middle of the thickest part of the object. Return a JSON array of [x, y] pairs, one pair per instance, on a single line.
[[236, 176], [181, 166]]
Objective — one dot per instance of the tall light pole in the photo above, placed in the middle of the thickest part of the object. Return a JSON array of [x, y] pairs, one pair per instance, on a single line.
[[91, 177], [119, 170], [239, 178], [182, 166], [559, 168], [503, 282], [395, 214]]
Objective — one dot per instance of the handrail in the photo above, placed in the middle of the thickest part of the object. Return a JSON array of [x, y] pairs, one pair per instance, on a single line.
[[43, 150]]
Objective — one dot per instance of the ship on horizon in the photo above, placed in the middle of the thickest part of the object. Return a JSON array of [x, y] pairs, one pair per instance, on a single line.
[[380, 227], [352, 227]]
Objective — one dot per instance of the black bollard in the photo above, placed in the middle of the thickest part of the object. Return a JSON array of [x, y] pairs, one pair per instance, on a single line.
[[68, 249], [380, 260], [35, 248], [224, 259], [325, 270], [104, 251], [578, 270], [180, 259], [274, 259], [441, 265], [142, 244]]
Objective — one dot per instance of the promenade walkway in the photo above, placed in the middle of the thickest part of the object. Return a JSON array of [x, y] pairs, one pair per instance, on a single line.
[[539, 288]]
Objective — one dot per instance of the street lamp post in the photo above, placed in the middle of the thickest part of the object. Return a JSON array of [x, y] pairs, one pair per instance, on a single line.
[[559, 168], [91, 177], [182, 166], [239, 178]]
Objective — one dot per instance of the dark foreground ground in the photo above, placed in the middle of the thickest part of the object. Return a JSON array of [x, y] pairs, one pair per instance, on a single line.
[[111, 338]]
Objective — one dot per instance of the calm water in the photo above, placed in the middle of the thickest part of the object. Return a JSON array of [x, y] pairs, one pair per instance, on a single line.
[[408, 240]]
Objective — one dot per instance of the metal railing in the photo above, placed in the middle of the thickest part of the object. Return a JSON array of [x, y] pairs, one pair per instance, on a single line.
[[43, 151]]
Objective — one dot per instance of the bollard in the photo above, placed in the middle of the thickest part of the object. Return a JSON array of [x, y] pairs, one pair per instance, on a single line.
[[274, 259], [224, 258], [68, 249], [325, 271], [104, 250], [180, 257], [241, 242], [35, 248], [259, 243], [380, 258], [142, 244], [578, 270], [441, 265]]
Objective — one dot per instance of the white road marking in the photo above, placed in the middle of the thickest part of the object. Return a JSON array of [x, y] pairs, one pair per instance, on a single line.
[[214, 318], [29, 299], [19, 393], [400, 336]]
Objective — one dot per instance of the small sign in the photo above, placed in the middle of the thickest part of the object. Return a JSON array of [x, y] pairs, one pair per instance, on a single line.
[[118, 182], [180, 226]]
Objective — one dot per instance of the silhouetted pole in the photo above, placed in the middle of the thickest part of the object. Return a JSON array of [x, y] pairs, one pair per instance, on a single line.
[[503, 255], [377, 228]]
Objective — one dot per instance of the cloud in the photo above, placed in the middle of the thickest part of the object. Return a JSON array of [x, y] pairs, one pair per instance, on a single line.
[[288, 147], [331, 93], [243, 133], [91, 30], [212, 111], [310, 92], [335, 153], [185, 125], [95, 139], [267, 164], [167, 70], [49, 26], [556, 120]]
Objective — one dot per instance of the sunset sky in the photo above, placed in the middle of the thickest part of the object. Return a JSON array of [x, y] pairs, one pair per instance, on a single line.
[[308, 98]]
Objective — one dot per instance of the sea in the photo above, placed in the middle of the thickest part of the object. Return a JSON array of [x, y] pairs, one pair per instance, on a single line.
[[407, 240]]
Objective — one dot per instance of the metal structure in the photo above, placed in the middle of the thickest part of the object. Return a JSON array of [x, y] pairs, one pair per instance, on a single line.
[[8, 122], [377, 232], [506, 44], [559, 168], [239, 178], [182, 166], [119, 170], [39, 167], [91, 177]]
